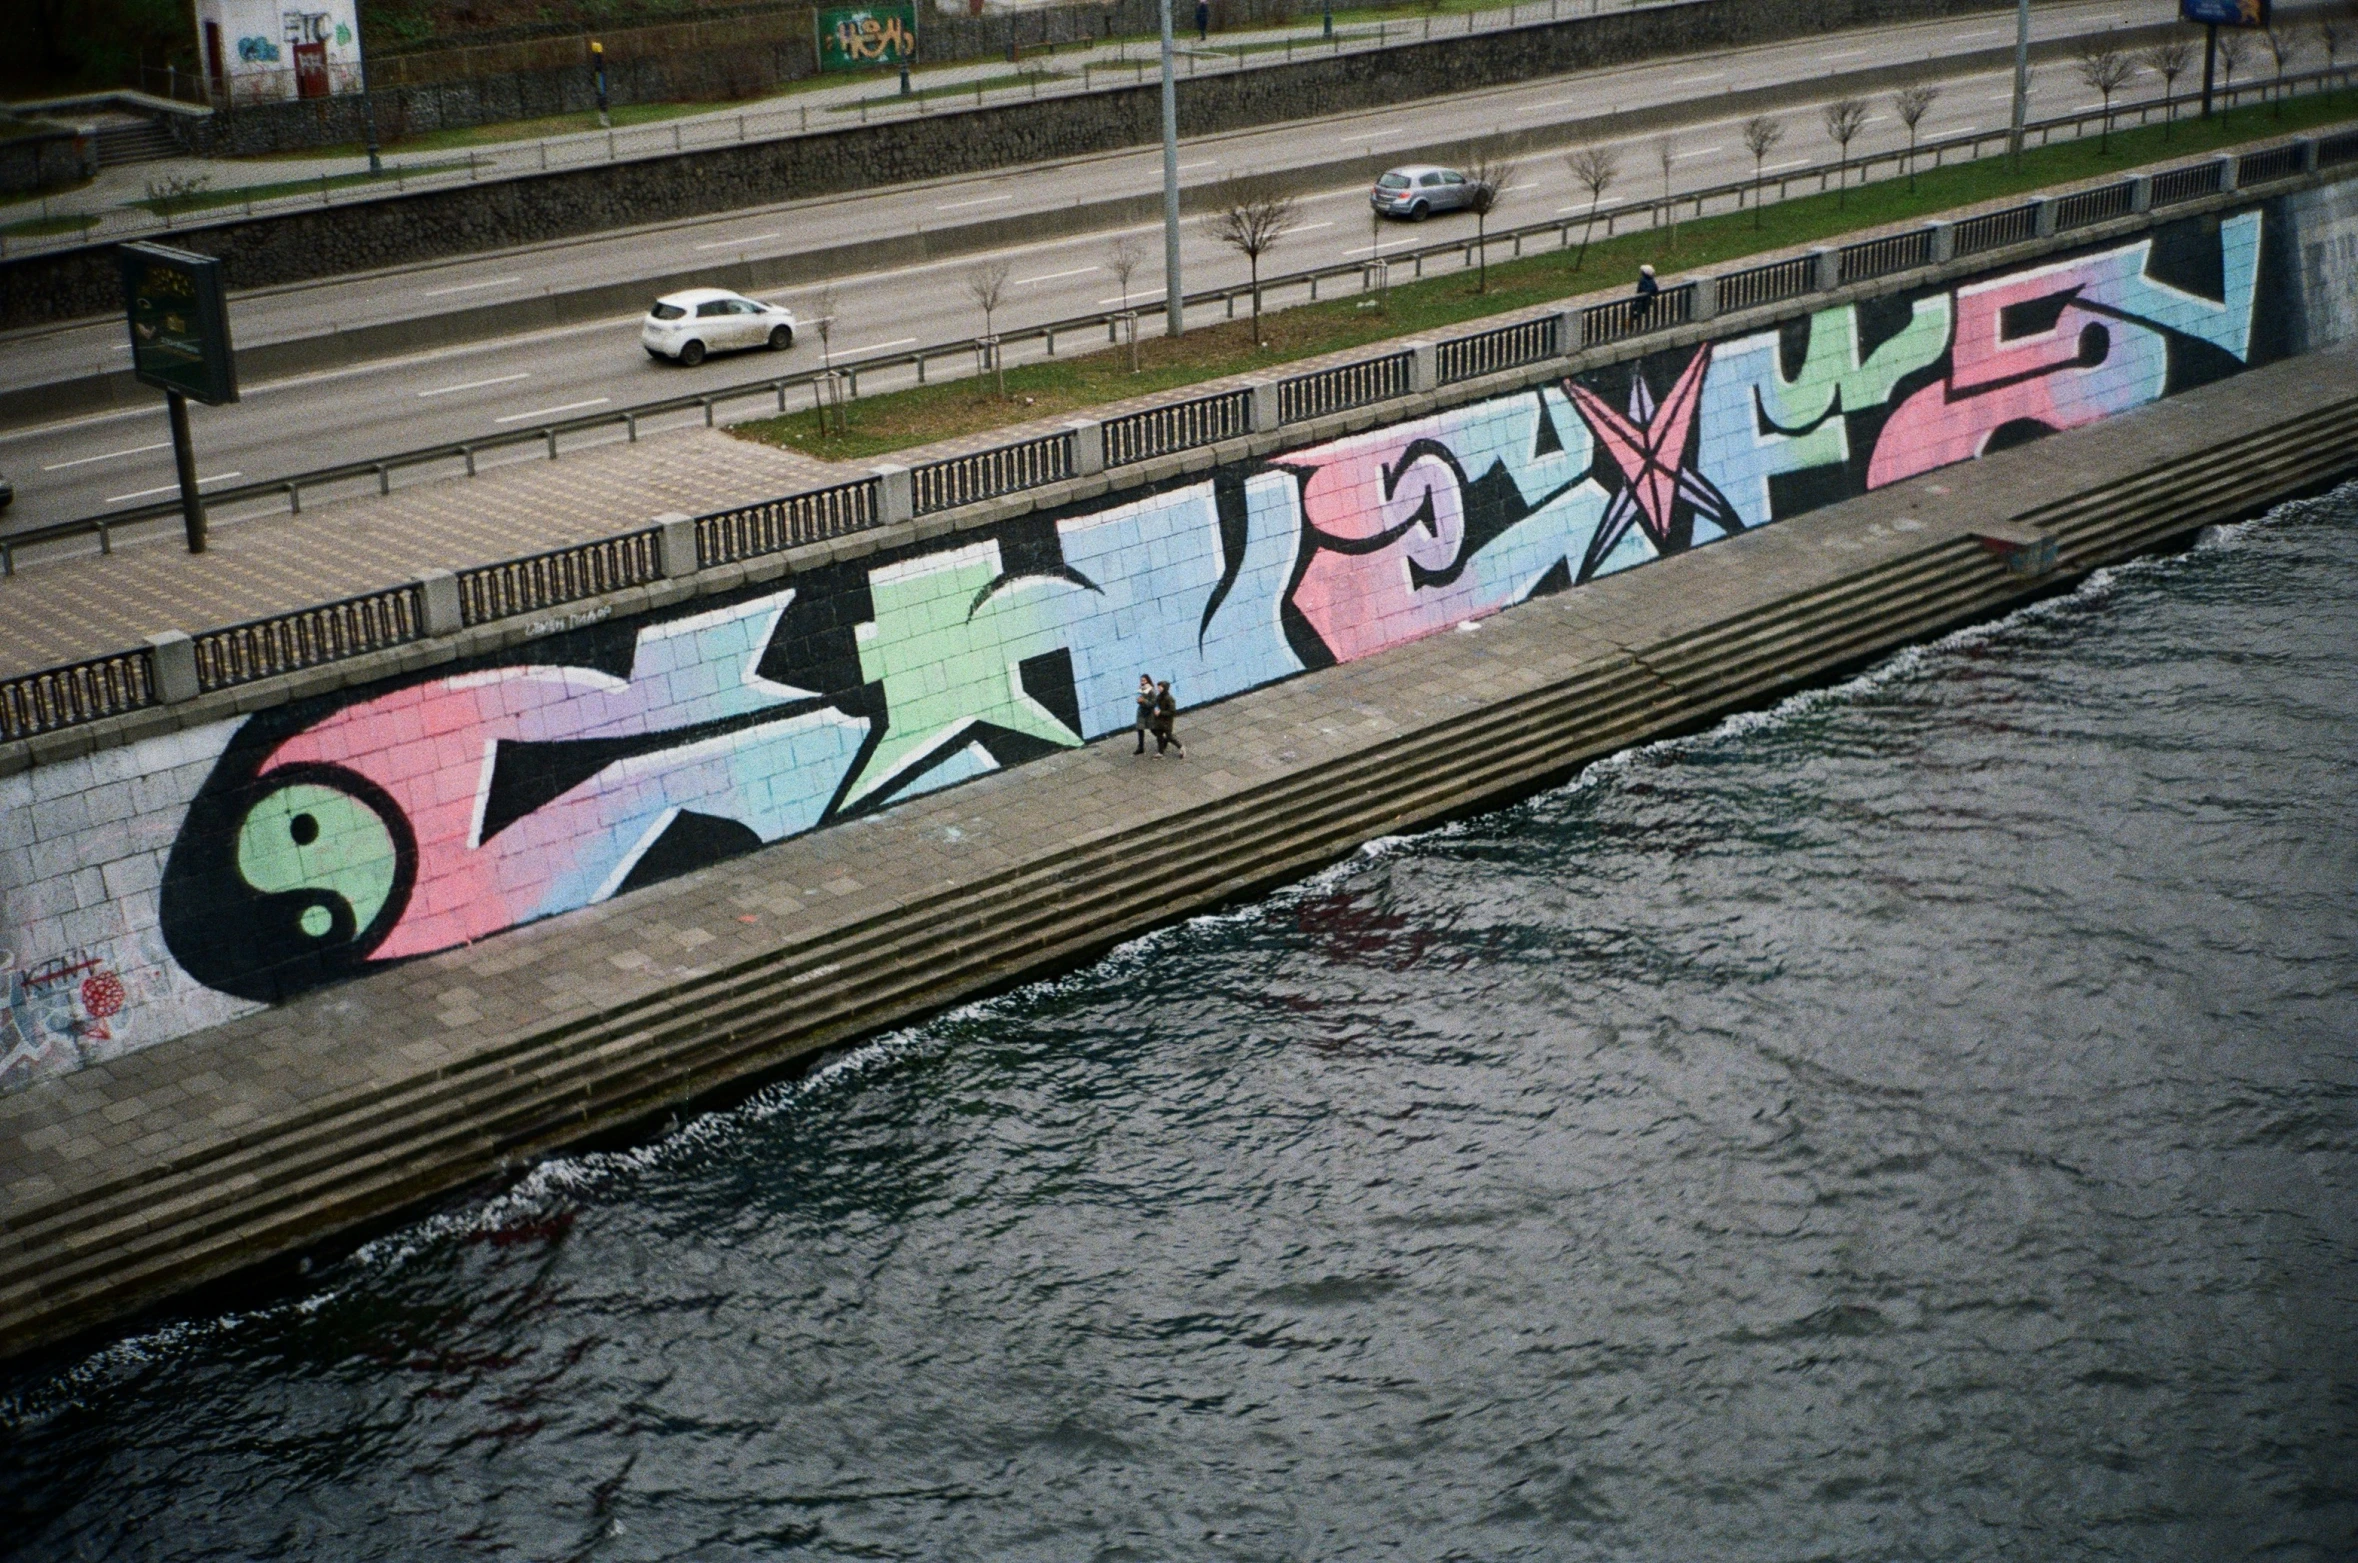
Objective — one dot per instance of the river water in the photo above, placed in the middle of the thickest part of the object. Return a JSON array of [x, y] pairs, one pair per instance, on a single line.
[[1917, 1122]]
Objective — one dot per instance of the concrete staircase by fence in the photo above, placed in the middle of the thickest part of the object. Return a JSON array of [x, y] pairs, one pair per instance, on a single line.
[[75, 1261], [142, 141]]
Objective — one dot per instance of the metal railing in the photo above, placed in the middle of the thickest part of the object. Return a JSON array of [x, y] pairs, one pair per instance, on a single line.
[[1880, 257], [34, 703], [1996, 230], [775, 525], [1345, 386], [562, 575], [1769, 284], [1158, 431], [2274, 163], [289, 642], [1498, 350], [1628, 317], [2082, 208], [986, 474], [2190, 183], [2333, 151], [104, 686]]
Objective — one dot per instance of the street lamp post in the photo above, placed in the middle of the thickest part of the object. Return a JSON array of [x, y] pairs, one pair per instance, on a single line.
[[2021, 80], [1174, 310]]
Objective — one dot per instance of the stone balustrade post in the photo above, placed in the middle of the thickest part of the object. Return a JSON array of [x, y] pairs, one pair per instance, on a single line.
[[896, 498], [678, 544], [171, 660], [438, 592], [1088, 447]]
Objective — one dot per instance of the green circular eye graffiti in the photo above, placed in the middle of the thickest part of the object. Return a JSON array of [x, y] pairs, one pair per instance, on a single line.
[[310, 837]]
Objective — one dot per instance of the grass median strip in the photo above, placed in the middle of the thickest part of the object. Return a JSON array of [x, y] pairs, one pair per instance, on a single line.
[[896, 420]]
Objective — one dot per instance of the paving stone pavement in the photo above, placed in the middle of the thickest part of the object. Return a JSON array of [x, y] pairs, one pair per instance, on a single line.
[[108, 1121], [65, 610]]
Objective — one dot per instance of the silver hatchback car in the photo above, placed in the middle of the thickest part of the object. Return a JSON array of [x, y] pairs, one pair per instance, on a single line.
[[1420, 190]]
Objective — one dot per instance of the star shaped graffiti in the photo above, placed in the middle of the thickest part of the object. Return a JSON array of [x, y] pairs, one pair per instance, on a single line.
[[1649, 447]]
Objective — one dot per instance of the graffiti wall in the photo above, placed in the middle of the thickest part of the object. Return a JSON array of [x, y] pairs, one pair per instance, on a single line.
[[252, 860]]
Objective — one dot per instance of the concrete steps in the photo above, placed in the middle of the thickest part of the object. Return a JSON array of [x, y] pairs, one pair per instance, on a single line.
[[66, 1264], [145, 142]]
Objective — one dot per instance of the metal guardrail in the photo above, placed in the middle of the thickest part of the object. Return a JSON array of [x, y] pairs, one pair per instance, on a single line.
[[1345, 386], [1769, 284], [1498, 350], [43, 702], [1880, 257], [55, 698], [562, 575], [1996, 230], [1157, 431], [1628, 317], [775, 525], [2190, 183], [1734, 194], [986, 474], [287, 642], [2333, 151]]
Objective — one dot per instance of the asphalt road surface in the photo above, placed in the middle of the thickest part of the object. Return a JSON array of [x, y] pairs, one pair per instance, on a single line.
[[116, 460]]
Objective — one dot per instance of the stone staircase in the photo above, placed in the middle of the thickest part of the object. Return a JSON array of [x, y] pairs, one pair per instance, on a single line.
[[135, 141], [70, 1263]]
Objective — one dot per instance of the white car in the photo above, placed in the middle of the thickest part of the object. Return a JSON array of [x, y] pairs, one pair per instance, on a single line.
[[683, 327]]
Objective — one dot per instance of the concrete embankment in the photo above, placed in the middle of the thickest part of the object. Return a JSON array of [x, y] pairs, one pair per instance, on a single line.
[[136, 1179]]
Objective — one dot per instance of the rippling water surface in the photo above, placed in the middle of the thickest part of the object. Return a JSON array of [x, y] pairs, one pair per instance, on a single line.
[[1916, 1123]]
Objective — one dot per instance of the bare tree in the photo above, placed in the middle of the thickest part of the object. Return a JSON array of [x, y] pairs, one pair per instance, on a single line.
[[1911, 104], [1594, 169], [1487, 180], [2233, 43], [1666, 155], [1845, 118], [2284, 45], [1251, 216], [2330, 30], [2104, 70], [1123, 257], [988, 285], [2169, 60], [1761, 135]]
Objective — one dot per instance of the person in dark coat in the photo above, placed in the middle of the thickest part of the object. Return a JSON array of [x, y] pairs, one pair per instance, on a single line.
[[1146, 698], [1647, 288], [1203, 20], [1166, 720]]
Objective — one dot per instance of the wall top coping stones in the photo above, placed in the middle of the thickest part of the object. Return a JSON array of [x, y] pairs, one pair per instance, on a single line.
[[896, 531]]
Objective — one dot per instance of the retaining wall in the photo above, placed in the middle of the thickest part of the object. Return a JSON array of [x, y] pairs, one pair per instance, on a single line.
[[173, 882], [398, 228]]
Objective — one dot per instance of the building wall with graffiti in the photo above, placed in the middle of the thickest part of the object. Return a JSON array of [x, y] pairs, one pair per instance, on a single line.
[[157, 888]]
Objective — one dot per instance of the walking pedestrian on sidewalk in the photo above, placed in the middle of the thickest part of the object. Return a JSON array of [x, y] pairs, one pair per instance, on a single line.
[[1145, 711], [1166, 720], [1647, 288], [1203, 21]]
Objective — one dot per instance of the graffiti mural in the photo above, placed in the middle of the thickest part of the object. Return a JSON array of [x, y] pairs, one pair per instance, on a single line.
[[324, 838], [54, 1013]]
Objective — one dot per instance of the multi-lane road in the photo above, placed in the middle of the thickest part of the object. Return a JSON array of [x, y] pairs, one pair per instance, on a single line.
[[111, 461]]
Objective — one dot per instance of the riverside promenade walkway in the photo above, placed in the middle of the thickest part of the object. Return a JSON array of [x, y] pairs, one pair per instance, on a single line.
[[129, 1181]]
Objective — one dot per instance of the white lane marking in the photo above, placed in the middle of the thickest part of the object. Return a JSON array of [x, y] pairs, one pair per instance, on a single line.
[[169, 488], [469, 287], [1691, 81], [1552, 103], [550, 412], [988, 200], [1055, 276], [1981, 32], [1845, 54], [1135, 301], [1698, 152], [1778, 168], [84, 461], [1184, 167], [1306, 227], [477, 385], [730, 244], [878, 347]]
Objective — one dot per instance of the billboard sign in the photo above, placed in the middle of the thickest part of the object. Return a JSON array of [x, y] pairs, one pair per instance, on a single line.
[[179, 326], [858, 37], [2225, 13]]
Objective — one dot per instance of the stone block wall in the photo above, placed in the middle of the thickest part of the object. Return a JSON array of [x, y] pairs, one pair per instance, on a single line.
[[154, 888]]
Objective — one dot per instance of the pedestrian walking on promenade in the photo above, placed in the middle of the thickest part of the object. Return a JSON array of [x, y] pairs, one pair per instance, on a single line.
[[1145, 711], [1203, 21], [1166, 720], [1647, 288]]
